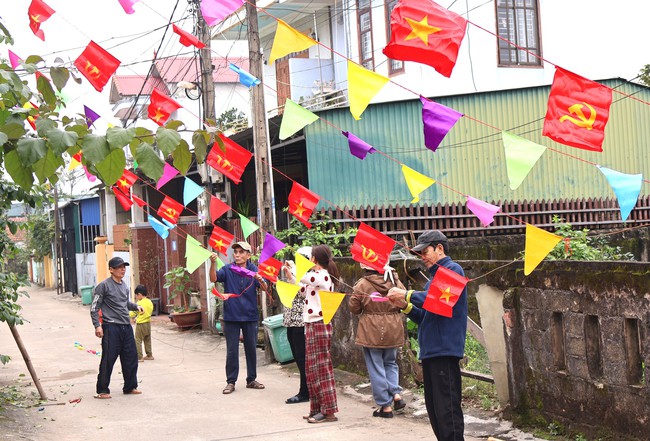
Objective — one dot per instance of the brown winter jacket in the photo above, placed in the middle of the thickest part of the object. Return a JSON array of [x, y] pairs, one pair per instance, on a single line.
[[381, 324]]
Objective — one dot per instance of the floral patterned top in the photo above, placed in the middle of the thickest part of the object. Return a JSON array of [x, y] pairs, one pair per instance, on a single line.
[[293, 317]]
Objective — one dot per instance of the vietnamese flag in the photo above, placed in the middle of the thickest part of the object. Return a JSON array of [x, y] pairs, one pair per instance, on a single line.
[[302, 202], [446, 288], [232, 162], [188, 39], [123, 199], [97, 65], [38, 12], [220, 239], [372, 248], [126, 181], [269, 269], [423, 31], [170, 210], [160, 107], [578, 110]]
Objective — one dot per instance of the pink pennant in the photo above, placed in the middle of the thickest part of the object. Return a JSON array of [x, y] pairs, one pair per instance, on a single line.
[[127, 5], [484, 211], [14, 60], [168, 174], [216, 10], [91, 178], [376, 297]]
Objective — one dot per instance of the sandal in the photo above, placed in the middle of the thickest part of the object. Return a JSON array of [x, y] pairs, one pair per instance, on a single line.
[[297, 399], [320, 418], [381, 414], [230, 388], [399, 404], [133, 392], [103, 396], [255, 385], [311, 414]]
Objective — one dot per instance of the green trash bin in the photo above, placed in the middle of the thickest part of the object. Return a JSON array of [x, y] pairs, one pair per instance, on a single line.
[[86, 294], [278, 336]]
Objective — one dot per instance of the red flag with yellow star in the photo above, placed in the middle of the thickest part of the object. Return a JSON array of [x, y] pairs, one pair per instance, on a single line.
[[423, 31], [126, 181], [170, 209], [577, 112], [232, 162], [97, 65], [444, 291], [302, 202], [160, 107], [38, 12], [220, 240], [372, 248], [269, 269]]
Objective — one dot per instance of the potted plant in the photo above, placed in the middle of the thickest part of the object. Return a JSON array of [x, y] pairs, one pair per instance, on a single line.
[[185, 315]]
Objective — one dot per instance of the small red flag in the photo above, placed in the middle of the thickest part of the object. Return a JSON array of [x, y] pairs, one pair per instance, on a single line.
[[97, 65], [425, 32], [232, 162], [170, 210], [269, 269], [578, 110], [217, 208], [188, 39], [123, 199], [32, 119], [160, 107], [126, 181], [302, 202], [444, 291], [138, 201], [38, 12], [220, 239], [372, 248]]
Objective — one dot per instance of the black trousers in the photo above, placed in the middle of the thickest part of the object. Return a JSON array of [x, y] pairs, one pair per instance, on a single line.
[[296, 338], [118, 341], [442, 395]]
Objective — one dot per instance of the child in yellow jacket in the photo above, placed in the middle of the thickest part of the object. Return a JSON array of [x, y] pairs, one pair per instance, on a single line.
[[143, 323]]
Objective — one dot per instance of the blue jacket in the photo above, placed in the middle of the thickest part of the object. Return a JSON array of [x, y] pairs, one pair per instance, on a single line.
[[440, 336], [244, 307]]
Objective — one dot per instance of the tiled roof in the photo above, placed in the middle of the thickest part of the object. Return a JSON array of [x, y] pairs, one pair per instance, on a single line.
[[173, 70], [130, 85]]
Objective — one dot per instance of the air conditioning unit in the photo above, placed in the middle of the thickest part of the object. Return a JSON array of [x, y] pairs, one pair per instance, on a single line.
[[215, 176]]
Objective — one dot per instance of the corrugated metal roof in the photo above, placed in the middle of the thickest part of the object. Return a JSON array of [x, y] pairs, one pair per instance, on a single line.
[[471, 159]]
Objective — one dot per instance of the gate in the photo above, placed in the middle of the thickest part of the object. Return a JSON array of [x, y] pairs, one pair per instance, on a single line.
[[69, 260]]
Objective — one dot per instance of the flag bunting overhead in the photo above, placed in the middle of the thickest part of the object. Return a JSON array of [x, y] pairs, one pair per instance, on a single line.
[[302, 202], [287, 41], [626, 187], [438, 121], [372, 248], [170, 209], [538, 244], [521, 156], [444, 291], [220, 240], [363, 85], [38, 12], [97, 65], [358, 147], [294, 119], [232, 162]]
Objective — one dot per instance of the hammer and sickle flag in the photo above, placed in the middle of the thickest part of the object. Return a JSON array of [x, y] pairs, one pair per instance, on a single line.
[[38, 12], [269, 269], [170, 210], [578, 110], [372, 248], [97, 65], [302, 202], [232, 162], [444, 291], [220, 239], [160, 107]]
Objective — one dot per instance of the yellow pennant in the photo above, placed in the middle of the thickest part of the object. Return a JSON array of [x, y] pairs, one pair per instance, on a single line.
[[73, 164], [302, 266], [538, 244], [417, 182], [330, 302], [287, 292], [363, 85], [287, 41]]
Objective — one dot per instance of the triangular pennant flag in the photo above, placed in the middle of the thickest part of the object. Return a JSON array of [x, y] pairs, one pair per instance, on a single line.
[[286, 292], [521, 156], [438, 121], [294, 119], [195, 254], [245, 78], [247, 226], [444, 291], [75, 161], [169, 224], [127, 5], [269, 269], [302, 266], [191, 191], [188, 39], [217, 208], [484, 211], [159, 227], [123, 199], [219, 262], [89, 176], [538, 244], [329, 302], [214, 11], [626, 187], [91, 115], [417, 182], [271, 246], [288, 40], [14, 59], [138, 201], [363, 85], [358, 147], [168, 174]]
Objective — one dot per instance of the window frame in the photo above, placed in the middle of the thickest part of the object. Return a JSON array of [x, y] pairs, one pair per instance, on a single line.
[[511, 5], [360, 12], [391, 70]]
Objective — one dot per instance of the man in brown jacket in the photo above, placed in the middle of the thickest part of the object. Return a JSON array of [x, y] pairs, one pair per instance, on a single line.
[[380, 334]]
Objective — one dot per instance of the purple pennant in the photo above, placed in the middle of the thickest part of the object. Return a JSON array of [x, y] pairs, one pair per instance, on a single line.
[[244, 272], [358, 147], [438, 121], [271, 246], [91, 115]]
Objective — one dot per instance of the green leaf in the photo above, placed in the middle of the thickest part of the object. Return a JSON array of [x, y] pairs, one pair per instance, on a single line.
[[141, 135], [60, 140], [118, 137], [167, 140], [13, 131], [149, 161], [200, 140], [33, 59], [182, 157], [94, 148], [174, 124], [18, 172], [45, 87], [3, 138], [30, 150], [60, 77], [111, 168], [43, 125], [47, 166]]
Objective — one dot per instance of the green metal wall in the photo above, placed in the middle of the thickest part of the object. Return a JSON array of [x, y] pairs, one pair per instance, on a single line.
[[471, 159]]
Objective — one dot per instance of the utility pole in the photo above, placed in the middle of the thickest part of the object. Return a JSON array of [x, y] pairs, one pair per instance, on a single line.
[[205, 61], [58, 254]]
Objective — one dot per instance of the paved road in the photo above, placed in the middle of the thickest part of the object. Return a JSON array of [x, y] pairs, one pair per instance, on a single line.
[[181, 398]]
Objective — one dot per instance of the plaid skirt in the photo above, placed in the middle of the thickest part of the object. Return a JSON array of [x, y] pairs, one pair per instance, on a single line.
[[319, 369]]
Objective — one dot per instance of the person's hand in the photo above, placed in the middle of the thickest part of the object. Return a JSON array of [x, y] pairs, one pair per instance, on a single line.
[[397, 297], [140, 309], [213, 257], [99, 332]]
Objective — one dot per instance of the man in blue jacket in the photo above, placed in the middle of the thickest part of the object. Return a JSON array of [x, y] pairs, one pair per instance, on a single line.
[[240, 313], [441, 339]]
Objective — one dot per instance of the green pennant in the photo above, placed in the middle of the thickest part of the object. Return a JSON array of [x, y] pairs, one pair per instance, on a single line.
[[521, 156], [195, 254], [247, 227], [295, 117]]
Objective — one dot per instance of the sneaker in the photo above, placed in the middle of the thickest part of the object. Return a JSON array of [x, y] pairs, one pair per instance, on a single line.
[[149, 357]]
